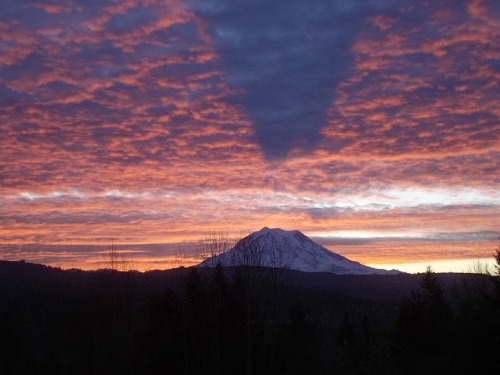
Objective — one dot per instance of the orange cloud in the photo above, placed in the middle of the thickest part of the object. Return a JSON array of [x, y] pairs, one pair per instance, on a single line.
[[122, 123]]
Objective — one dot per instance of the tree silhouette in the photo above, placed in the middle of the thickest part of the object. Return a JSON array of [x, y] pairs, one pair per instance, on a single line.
[[219, 297], [114, 260], [195, 323], [299, 342], [164, 333], [215, 243], [432, 288], [424, 324], [496, 255]]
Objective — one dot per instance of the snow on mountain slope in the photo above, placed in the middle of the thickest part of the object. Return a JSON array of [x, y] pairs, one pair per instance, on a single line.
[[278, 248]]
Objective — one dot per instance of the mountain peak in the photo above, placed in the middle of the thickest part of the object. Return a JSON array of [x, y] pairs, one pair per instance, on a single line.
[[272, 230], [278, 248]]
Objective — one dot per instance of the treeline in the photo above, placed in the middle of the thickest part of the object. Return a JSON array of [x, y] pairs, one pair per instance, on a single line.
[[456, 336], [242, 321]]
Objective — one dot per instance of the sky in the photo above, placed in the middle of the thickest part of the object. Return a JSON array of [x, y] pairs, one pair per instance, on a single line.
[[371, 126]]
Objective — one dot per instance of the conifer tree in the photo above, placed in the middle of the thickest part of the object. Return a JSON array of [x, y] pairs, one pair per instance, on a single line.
[[497, 259]]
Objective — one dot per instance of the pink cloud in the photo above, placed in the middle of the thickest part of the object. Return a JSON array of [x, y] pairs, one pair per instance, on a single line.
[[139, 136]]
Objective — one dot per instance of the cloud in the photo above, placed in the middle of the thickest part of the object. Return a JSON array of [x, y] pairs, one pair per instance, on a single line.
[[286, 63], [131, 19], [32, 66], [153, 121]]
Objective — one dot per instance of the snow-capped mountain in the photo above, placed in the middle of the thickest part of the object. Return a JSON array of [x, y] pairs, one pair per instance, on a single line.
[[279, 248]]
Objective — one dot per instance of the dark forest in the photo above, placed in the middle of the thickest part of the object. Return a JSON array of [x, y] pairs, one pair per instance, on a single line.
[[245, 320]]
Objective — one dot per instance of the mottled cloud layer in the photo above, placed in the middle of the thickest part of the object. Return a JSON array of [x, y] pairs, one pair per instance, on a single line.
[[151, 122]]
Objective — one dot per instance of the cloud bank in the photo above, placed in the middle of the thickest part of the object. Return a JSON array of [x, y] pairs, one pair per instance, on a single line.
[[155, 121]]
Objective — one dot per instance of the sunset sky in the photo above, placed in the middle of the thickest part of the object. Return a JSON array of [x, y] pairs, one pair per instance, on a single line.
[[371, 126]]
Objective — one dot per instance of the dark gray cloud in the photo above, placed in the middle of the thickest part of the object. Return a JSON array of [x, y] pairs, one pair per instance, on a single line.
[[104, 51], [8, 96], [287, 60], [131, 19], [98, 96], [287, 57], [30, 67], [441, 237], [58, 217]]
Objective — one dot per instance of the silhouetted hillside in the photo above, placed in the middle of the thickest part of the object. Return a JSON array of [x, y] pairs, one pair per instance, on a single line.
[[244, 320]]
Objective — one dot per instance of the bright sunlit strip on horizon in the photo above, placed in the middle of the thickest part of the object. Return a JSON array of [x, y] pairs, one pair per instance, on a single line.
[[442, 266], [455, 265]]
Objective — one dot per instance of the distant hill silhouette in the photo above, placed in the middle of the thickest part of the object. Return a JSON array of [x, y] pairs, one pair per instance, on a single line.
[[217, 320]]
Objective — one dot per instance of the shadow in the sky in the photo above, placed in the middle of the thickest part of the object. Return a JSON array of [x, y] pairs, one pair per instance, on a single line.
[[287, 57]]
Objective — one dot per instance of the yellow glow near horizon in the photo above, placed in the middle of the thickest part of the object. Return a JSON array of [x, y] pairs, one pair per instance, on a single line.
[[442, 266], [439, 266]]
